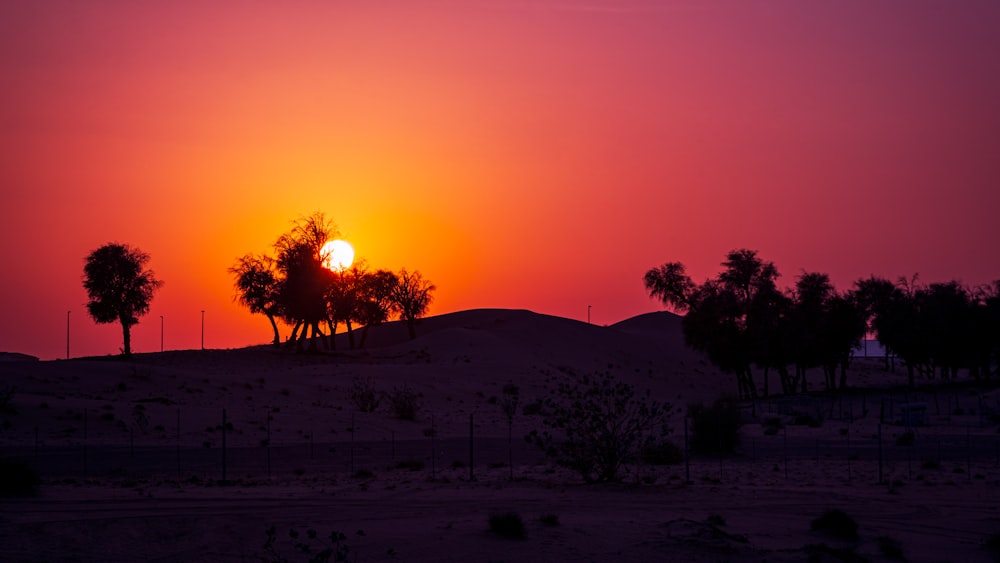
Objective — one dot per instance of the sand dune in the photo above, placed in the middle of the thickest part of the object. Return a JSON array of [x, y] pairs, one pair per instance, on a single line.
[[122, 481]]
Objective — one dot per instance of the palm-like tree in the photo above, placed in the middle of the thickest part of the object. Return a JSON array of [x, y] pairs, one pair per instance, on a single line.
[[119, 287], [258, 288], [412, 297]]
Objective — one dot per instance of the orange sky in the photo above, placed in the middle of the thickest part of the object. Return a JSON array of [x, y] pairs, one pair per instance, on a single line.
[[538, 155]]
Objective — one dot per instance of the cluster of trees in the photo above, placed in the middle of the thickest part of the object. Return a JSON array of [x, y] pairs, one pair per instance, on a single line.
[[295, 286], [741, 319]]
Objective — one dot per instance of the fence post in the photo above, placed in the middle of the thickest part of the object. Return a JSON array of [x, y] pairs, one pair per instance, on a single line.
[[848, 454], [85, 443], [223, 446], [687, 454], [178, 443], [471, 447], [353, 429], [785, 447], [267, 444], [433, 449], [880, 453]]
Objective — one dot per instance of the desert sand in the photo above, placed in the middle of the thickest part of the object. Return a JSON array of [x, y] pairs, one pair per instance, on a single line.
[[137, 462]]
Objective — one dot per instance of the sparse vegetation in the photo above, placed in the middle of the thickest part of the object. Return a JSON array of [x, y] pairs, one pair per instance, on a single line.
[[306, 546], [17, 478], [715, 428], [890, 548], [508, 525], [597, 424], [7, 393], [549, 519], [404, 403], [836, 523], [661, 453], [363, 394]]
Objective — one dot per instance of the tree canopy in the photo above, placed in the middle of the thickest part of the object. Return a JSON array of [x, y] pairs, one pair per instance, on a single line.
[[119, 287]]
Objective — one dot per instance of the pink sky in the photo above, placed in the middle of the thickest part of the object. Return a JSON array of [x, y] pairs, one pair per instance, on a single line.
[[538, 155]]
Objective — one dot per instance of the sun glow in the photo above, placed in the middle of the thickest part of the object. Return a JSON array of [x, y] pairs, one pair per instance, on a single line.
[[338, 255]]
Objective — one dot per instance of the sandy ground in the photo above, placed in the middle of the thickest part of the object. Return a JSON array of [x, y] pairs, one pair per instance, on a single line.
[[131, 456]]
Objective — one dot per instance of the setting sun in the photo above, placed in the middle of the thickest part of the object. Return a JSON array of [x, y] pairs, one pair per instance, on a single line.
[[337, 255]]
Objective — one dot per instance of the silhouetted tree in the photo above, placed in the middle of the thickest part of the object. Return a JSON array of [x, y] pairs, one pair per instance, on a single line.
[[720, 319], [119, 287], [670, 284], [412, 297], [375, 303], [876, 297], [258, 288], [305, 282]]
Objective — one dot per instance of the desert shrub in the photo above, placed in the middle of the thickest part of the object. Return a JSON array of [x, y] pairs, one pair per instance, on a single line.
[[992, 543], [404, 403], [715, 428], [809, 419], [716, 520], [306, 546], [17, 478], [772, 425], [597, 423], [836, 523], [363, 394], [820, 553], [906, 438], [549, 519], [661, 453], [533, 408], [410, 465], [6, 397], [508, 404], [507, 524], [890, 548], [930, 464]]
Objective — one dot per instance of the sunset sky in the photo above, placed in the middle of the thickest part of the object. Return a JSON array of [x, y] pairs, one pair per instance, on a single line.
[[523, 154]]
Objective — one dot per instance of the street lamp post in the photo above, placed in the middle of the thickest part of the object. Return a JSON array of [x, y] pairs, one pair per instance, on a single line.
[[202, 329], [67, 333]]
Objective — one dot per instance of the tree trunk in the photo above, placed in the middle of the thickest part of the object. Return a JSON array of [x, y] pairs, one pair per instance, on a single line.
[[350, 334], [332, 342], [127, 339], [411, 327], [274, 326]]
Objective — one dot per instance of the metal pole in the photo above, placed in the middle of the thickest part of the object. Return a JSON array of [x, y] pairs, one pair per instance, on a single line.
[[202, 329], [588, 314], [161, 333], [471, 475], [67, 334], [223, 446]]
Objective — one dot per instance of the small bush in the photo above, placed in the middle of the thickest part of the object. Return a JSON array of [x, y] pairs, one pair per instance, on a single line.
[[836, 523], [363, 394], [404, 403], [307, 545], [410, 465], [6, 397], [891, 548], [715, 428], [597, 423], [716, 520], [508, 525], [17, 478], [533, 408], [906, 438], [992, 544], [931, 464], [549, 519], [363, 474], [662, 453]]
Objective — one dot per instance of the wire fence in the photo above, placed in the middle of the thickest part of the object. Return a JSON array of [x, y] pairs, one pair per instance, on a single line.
[[852, 439]]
